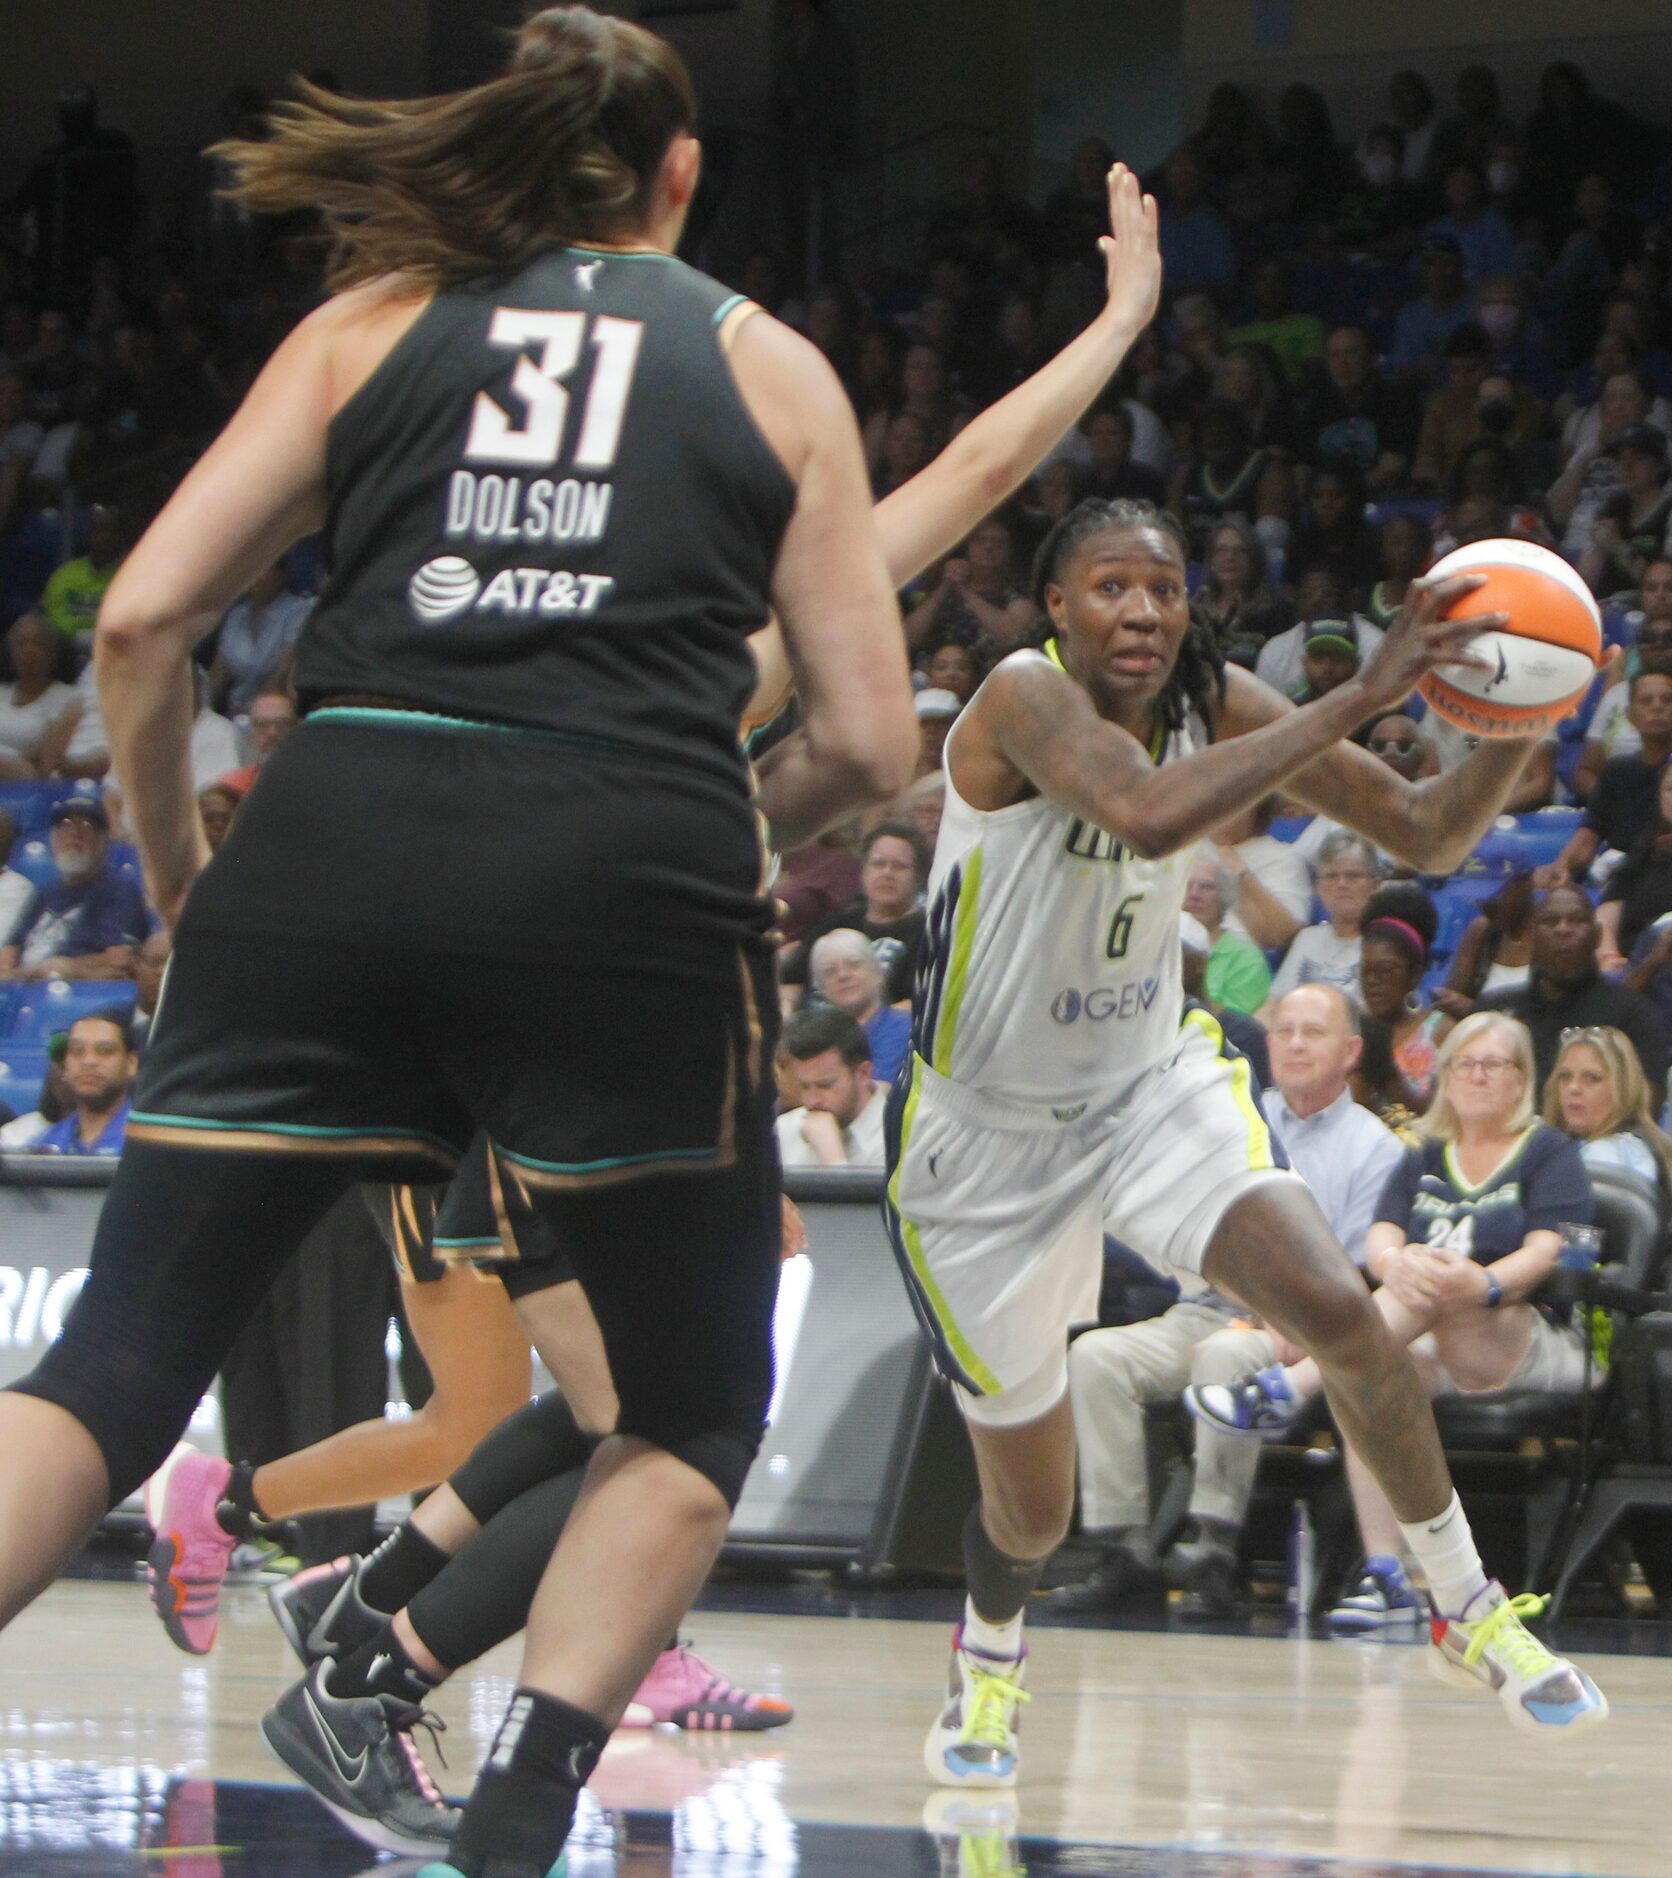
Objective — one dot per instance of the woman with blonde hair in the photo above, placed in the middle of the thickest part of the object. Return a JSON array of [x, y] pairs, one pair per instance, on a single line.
[[1597, 1093], [1468, 1228]]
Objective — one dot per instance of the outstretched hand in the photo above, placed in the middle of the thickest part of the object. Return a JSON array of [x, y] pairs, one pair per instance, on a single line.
[[1423, 637], [1132, 252]]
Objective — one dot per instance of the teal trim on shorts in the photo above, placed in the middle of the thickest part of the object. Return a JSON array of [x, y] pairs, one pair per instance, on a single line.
[[373, 715], [305, 1129], [611, 1161], [459, 1245]]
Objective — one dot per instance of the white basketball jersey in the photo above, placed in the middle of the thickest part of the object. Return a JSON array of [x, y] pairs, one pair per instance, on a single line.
[[1050, 969]]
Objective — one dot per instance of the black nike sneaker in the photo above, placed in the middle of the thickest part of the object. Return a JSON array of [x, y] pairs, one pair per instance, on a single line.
[[357, 1757], [321, 1611]]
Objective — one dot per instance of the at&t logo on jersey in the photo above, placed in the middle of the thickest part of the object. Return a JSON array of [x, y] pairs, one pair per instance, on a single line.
[[448, 587], [1105, 1001]]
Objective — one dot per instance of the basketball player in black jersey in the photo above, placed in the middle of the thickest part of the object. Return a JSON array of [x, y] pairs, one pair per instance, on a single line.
[[562, 480]]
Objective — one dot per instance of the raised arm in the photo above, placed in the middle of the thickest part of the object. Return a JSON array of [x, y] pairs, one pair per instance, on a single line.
[[858, 739], [995, 453]]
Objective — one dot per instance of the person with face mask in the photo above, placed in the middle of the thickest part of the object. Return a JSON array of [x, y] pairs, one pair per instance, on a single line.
[[88, 922]]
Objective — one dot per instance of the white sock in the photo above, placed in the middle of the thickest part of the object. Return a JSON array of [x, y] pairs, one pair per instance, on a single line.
[[986, 1639], [1445, 1549]]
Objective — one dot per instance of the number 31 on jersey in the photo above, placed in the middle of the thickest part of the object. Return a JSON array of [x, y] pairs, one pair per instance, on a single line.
[[535, 439]]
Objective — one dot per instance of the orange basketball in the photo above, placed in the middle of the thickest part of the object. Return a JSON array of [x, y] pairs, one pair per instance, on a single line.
[[1541, 662]]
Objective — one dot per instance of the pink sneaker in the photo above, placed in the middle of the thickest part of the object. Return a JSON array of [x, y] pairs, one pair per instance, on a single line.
[[189, 1557], [683, 1690]]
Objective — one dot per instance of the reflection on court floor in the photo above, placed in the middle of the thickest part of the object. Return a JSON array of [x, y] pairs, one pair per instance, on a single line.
[[1148, 1754]]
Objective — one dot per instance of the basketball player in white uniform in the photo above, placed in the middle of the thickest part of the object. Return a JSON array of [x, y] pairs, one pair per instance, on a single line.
[[1060, 1088]]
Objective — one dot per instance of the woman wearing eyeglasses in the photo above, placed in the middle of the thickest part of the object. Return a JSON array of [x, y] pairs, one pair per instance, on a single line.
[[1468, 1228], [1597, 1094], [1399, 928]]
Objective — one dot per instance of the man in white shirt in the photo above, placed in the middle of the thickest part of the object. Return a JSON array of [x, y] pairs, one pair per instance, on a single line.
[[840, 1121], [86, 752], [1345, 1156], [15, 889]]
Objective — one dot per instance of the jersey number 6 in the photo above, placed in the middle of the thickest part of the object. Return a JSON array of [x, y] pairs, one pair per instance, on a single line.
[[539, 386], [1120, 927]]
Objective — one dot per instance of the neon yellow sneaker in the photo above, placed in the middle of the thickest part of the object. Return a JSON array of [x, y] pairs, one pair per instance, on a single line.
[[975, 1834], [1539, 1691], [973, 1743]]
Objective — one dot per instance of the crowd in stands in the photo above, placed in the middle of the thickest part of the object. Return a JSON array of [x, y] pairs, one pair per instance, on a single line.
[[1452, 324]]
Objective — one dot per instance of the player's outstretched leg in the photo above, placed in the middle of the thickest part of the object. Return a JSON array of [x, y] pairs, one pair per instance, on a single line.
[[1027, 1498], [1274, 1251]]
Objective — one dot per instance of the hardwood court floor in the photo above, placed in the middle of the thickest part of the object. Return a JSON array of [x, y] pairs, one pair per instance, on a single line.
[[1223, 1755]]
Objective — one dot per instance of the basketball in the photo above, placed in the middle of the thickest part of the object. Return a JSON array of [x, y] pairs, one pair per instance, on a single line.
[[1542, 660]]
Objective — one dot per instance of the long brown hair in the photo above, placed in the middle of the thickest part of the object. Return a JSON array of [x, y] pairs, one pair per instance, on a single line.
[[564, 146]]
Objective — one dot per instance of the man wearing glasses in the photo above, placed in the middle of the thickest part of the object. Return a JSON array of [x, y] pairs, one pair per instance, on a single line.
[[1567, 992]]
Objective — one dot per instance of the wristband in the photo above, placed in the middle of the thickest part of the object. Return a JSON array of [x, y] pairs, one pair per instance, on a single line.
[[1494, 1294]]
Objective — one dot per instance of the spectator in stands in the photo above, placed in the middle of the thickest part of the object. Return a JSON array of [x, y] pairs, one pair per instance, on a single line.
[[1346, 1156], [1467, 1229], [1247, 1033], [894, 868], [1233, 138], [1591, 476], [1425, 324], [1483, 235], [74, 591], [1227, 474], [20, 1133], [846, 974], [840, 1120], [78, 746], [1329, 657], [1332, 531], [1572, 132], [20, 442], [1078, 213], [80, 194], [99, 1069], [1114, 474], [1199, 337], [937, 711], [34, 702], [1329, 952], [217, 807], [979, 600], [1404, 548], [1272, 885], [1248, 377], [1467, 135], [15, 888], [257, 641], [925, 391], [1238, 976], [955, 668], [1620, 807], [1496, 950], [1520, 351], [1379, 209], [272, 719], [924, 803], [150, 962], [1611, 732], [1236, 600], [904, 451], [1318, 596], [1567, 990], [1597, 1094], [816, 880], [1399, 928], [1294, 338], [1309, 151], [1196, 248], [1358, 416], [88, 922], [1631, 529], [1639, 890]]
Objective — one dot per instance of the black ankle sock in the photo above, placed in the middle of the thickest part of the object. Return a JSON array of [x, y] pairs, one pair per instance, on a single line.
[[237, 1513], [524, 1802], [381, 1667], [390, 1577], [999, 1585]]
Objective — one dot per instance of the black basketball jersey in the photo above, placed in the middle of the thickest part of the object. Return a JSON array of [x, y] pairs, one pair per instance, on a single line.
[[550, 508]]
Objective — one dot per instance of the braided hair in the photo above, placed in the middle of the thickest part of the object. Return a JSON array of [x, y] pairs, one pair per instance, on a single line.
[[1197, 680]]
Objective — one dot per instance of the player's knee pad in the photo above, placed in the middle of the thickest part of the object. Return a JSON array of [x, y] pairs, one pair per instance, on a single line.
[[537, 1443]]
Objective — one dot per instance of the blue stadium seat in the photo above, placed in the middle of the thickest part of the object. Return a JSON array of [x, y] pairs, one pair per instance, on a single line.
[[33, 859], [42, 1010], [21, 1074], [1544, 835], [29, 804]]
